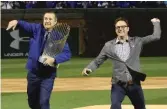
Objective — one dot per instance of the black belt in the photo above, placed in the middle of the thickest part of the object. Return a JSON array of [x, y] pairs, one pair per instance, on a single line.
[[125, 84]]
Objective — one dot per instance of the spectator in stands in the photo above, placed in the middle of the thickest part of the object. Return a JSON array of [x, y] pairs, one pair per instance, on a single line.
[[65, 4], [122, 4], [99, 5], [6, 5], [105, 4], [161, 4], [59, 5], [30, 4], [79, 4], [89, 4], [72, 3], [94, 4], [82, 4], [50, 4], [22, 4], [132, 4], [85, 4], [16, 5], [165, 2], [111, 4]]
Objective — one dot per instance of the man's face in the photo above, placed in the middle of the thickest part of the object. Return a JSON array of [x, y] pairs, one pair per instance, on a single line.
[[49, 21], [121, 29]]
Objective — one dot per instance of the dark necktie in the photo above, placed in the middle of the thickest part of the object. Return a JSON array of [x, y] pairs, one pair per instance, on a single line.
[[44, 40]]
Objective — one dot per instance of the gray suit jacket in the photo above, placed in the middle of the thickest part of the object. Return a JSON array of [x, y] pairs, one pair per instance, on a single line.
[[132, 63]]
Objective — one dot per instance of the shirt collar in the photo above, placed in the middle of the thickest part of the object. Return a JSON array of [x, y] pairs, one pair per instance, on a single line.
[[120, 41]]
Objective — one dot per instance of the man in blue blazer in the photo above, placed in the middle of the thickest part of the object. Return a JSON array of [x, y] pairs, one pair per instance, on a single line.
[[40, 77]]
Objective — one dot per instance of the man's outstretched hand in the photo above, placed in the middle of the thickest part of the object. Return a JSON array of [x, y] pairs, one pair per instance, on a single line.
[[12, 24], [155, 20]]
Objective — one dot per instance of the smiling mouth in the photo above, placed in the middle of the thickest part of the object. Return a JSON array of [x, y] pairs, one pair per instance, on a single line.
[[47, 24], [121, 32]]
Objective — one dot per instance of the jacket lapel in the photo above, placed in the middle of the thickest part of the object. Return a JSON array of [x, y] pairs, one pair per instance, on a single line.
[[132, 46]]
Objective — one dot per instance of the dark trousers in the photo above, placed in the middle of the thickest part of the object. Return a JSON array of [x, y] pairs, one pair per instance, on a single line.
[[133, 91], [39, 89]]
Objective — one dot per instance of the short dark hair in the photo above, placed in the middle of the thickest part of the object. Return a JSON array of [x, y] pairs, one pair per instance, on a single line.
[[52, 12], [122, 19]]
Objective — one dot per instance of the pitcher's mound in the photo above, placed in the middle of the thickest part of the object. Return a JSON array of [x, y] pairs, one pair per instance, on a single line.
[[123, 107]]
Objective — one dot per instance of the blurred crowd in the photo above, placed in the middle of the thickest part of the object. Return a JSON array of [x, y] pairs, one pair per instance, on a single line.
[[82, 4]]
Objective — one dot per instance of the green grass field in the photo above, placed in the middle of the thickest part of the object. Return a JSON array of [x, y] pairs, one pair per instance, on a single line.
[[74, 99], [15, 68]]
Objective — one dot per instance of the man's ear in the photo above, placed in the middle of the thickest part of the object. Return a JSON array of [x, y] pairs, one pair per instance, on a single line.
[[55, 22], [128, 29]]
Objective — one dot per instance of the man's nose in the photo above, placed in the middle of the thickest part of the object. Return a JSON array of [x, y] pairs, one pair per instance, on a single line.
[[120, 29]]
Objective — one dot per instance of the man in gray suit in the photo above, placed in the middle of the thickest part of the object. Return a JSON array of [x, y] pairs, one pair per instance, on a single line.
[[124, 51]]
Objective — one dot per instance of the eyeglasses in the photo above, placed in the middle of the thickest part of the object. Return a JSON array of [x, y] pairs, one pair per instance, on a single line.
[[123, 27]]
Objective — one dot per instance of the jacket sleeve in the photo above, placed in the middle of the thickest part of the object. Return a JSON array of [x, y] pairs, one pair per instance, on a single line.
[[65, 55], [98, 60], [155, 36], [29, 27]]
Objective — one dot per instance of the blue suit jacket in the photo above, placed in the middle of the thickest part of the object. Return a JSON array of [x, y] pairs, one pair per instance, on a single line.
[[36, 41]]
